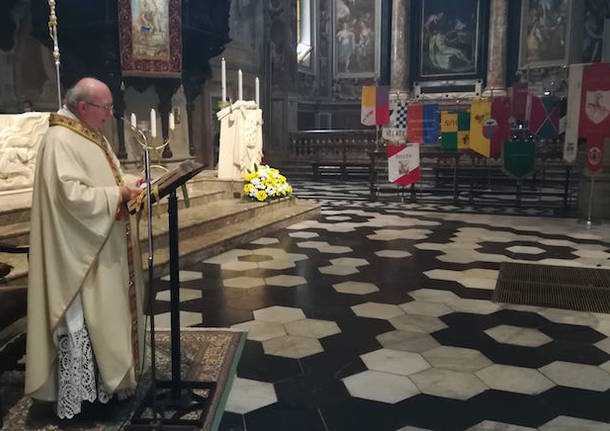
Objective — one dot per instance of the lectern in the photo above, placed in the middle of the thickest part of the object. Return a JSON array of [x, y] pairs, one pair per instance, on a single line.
[[168, 402]]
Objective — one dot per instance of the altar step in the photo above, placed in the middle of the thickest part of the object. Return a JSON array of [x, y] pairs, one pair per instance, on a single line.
[[217, 220]]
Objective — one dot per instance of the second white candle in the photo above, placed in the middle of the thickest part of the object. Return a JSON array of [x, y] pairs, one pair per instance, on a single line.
[[153, 123]]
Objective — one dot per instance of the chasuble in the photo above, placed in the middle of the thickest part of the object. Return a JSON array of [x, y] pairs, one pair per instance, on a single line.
[[80, 283]]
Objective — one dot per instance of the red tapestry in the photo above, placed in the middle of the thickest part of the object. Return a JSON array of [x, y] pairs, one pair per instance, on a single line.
[[150, 37]]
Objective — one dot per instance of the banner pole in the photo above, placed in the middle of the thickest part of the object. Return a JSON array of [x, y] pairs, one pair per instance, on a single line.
[[590, 201]]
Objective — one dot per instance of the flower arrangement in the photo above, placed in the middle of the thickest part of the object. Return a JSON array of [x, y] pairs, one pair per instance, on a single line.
[[265, 183]]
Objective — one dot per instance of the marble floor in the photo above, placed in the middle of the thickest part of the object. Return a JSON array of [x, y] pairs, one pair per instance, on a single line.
[[377, 317], [488, 202]]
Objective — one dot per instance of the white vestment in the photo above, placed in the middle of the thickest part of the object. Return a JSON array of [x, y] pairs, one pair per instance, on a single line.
[[78, 294]]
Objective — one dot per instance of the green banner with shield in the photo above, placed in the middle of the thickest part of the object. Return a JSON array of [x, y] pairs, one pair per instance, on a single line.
[[519, 157]]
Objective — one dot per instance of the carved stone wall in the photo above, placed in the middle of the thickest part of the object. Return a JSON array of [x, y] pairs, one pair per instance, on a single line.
[[20, 137]]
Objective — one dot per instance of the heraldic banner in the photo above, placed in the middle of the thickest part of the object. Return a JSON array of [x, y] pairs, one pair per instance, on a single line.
[[396, 129], [150, 37], [403, 163]]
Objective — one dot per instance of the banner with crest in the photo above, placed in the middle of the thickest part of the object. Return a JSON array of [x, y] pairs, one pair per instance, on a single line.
[[150, 37]]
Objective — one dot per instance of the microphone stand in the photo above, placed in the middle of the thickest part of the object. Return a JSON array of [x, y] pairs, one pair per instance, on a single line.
[[156, 422]]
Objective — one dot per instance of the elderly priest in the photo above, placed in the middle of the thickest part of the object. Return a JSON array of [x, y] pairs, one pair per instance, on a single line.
[[85, 326]]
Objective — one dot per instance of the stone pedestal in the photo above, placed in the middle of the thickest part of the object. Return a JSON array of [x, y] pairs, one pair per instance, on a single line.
[[399, 78], [496, 61]]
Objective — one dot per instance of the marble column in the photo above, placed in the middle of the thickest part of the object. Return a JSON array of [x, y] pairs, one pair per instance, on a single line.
[[496, 61], [399, 79]]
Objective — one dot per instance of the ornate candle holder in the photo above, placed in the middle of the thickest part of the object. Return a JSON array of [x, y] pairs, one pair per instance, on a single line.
[[154, 146]]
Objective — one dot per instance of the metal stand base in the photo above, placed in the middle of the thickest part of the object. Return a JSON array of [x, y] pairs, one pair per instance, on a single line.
[[185, 412]]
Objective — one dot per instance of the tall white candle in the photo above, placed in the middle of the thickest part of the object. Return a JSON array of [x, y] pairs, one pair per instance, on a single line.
[[153, 123], [172, 124], [240, 88], [257, 93], [223, 78], [133, 120]]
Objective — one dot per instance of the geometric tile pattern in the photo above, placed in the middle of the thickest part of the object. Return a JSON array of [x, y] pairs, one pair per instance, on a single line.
[[509, 334], [401, 332]]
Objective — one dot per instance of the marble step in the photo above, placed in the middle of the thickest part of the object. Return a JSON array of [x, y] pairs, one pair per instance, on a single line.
[[200, 219], [18, 232], [203, 188], [203, 232], [265, 218]]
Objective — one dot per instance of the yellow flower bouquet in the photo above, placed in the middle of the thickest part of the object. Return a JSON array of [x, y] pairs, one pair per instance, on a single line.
[[265, 183]]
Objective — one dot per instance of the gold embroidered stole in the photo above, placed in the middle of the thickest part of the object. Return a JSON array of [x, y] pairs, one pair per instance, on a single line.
[[77, 127]]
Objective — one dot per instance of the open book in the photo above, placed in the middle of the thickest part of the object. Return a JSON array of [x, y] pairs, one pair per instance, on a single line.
[[169, 181]]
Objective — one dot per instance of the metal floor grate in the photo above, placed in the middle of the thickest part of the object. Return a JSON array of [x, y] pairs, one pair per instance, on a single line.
[[582, 289]]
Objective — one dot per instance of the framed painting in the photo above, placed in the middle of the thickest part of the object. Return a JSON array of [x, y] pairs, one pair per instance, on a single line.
[[150, 37], [450, 39], [545, 37], [356, 38]]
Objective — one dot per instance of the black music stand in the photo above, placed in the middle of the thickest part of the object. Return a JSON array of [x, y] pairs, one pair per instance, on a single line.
[[171, 400]]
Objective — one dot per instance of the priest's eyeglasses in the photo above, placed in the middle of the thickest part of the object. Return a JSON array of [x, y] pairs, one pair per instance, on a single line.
[[108, 108]]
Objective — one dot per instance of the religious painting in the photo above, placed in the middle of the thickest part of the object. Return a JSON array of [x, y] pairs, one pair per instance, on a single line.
[[596, 12], [150, 37], [449, 38], [356, 38], [150, 30], [544, 32]]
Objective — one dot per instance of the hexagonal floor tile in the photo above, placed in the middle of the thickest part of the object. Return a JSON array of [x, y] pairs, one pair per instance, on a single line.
[[605, 366], [355, 287], [382, 387], [435, 309], [448, 384], [244, 282], [479, 278], [416, 342], [187, 318], [568, 423], [434, 295], [338, 270], [254, 258], [474, 306], [303, 235], [185, 294], [376, 310], [393, 254], [291, 346], [498, 426], [312, 328], [392, 234], [508, 334], [285, 280], [525, 249], [604, 345], [280, 314], [570, 317], [515, 379], [265, 241], [324, 247], [261, 331], [577, 375], [394, 361], [248, 395], [456, 358], [417, 323], [238, 265], [349, 261], [186, 276]]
